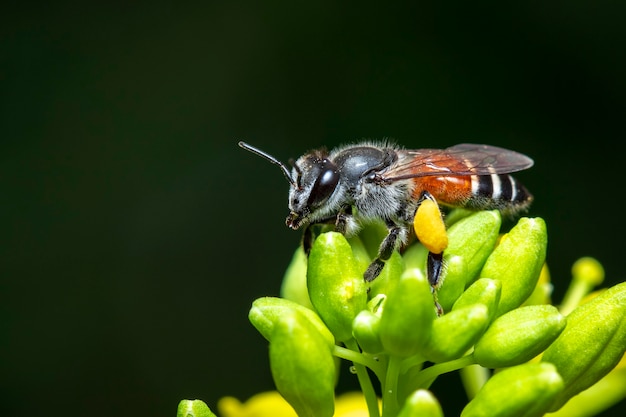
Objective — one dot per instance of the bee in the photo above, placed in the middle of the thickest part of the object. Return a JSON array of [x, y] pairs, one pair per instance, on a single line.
[[356, 184]]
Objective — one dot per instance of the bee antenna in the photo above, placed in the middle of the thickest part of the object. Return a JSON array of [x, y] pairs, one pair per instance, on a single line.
[[270, 158]]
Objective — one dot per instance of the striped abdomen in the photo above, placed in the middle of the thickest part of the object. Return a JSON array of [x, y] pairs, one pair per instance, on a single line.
[[477, 192]]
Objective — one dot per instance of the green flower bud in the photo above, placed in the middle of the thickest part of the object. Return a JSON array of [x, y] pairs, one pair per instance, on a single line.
[[193, 408], [302, 366], [408, 315], [372, 235], [375, 304], [521, 391], [518, 336], [362, 257], [457, 214], [415, 257], [294, 282], [453, 280], [592, 344], [454, 333], [517, 262], [471, 240], [266, 311], [365, 330], [421, 403], [587, 273], [483, 291], [602, 395], [474, 377], [542, 294], [589, 270], [336, 288]]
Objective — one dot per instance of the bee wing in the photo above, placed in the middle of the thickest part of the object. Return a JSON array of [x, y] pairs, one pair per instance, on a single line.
[[463, 159]]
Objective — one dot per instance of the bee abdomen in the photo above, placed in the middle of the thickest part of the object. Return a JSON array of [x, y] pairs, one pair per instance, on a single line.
[[498, 191]]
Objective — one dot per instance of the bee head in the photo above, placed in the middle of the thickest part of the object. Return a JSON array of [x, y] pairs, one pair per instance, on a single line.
[[315, 180]]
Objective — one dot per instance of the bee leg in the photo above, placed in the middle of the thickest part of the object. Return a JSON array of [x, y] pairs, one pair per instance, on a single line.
[[431, 231], [340, 221], [311, 232], [343, 217], [434, 266], [307, 240], [373, 270], [384, 253]]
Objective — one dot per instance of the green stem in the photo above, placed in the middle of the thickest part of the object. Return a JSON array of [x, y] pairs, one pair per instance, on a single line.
[[412, 361], [359, 361], [473, 378], [390, 387], [576, 291], [426, 376], [356, 357]]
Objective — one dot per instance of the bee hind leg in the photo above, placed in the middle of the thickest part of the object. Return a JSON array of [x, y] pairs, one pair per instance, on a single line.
[[434, 266], [431, 231]]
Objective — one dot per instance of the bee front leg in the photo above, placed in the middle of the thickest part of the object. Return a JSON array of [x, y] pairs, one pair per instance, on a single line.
[[384, 252], [344, 217], [307, 239], [341, 221]]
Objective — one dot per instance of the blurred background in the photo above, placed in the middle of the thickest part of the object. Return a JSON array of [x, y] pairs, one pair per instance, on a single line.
[[136, 234]]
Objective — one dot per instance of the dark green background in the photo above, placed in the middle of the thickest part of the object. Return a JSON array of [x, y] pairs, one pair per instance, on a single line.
[[135, 233]]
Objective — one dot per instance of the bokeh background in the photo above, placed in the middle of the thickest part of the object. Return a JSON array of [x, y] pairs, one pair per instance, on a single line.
[[135, 233]]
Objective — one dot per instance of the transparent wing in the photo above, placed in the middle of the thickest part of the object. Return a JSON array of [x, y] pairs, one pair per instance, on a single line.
[[463, 159]]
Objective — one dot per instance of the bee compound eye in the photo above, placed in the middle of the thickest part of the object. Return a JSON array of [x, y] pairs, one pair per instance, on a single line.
[[325, 184]]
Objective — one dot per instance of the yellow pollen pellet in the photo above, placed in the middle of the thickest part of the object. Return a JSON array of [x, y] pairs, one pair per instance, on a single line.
[[429, 227]]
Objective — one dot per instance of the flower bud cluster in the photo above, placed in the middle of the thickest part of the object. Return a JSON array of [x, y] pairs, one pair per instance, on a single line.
[[495, 296]]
